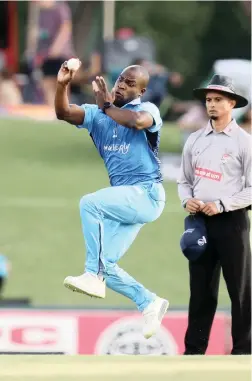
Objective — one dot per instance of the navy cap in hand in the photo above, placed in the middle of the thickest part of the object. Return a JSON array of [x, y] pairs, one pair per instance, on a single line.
[[193, 242]]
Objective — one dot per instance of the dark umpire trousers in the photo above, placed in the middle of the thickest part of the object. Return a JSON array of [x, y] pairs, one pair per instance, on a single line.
[[228, 249]]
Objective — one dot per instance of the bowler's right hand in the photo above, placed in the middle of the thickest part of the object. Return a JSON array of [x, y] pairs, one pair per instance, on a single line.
[[65, 75], [193, 205]]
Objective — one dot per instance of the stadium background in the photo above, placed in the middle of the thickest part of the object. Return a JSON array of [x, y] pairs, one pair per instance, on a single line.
[[46, 166]]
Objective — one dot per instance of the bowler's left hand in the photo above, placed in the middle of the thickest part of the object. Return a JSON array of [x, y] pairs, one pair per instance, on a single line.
[[210, 209], [102, 93]]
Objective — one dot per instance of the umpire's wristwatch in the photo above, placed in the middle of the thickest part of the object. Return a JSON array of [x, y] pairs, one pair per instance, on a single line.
[[106, 106]]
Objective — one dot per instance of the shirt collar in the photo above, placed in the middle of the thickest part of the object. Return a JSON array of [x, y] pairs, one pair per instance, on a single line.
[[135, 102], [229, 130]]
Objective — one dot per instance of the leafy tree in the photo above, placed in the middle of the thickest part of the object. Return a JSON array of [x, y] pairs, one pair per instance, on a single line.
[[190, 35]]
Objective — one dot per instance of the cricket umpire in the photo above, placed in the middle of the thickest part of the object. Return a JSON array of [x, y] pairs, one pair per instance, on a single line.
[[214, 186]]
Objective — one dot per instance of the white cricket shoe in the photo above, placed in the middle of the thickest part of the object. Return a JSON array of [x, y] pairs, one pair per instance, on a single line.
[[87, 283], [153, 316]]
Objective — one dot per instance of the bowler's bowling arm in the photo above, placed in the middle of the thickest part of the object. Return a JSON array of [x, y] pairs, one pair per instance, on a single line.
[[72, 114]]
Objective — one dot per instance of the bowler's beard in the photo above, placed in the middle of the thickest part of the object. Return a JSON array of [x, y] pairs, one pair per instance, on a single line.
[[120, 102], [214, 117]]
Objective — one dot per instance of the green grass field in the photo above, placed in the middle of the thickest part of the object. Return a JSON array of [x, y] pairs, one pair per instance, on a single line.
[[129, 368], [45, 169]]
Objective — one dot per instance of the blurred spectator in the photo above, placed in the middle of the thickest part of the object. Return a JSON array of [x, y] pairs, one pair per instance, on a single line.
[[123, 50], [49, 41], [124, 33], [9, 91], [4, 272], [246, 121], [160, 78]]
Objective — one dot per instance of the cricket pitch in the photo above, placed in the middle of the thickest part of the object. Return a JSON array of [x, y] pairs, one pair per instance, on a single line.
[[125, 368]]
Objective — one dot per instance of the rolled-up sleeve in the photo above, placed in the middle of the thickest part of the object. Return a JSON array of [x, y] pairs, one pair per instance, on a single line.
[[186, 175], [154, 111], [90, 112], [242, 199]]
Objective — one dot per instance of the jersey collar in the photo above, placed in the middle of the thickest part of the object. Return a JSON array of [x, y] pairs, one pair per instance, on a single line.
[[229, 130], [135, 102]]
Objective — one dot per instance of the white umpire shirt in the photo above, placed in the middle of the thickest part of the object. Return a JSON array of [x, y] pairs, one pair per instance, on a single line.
[[216, 167]]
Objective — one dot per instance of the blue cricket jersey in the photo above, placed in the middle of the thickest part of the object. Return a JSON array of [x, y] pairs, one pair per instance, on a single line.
[[130, 155]]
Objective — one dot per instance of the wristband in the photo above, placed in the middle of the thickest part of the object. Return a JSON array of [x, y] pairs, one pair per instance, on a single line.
[[106, 106]]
